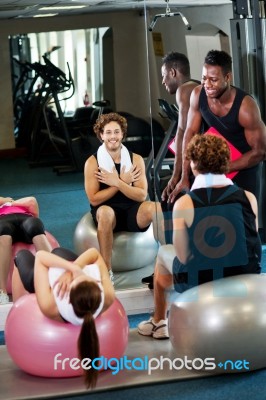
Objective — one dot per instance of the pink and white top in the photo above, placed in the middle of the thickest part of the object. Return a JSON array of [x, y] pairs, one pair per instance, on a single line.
[[9, 208], [65, 308]]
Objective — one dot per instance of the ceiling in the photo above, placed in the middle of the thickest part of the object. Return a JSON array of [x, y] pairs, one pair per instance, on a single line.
[[10, 9]]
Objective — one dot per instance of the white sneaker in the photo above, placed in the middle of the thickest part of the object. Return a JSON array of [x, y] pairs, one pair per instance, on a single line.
[[111, 275], [4, 298], [157, 330]]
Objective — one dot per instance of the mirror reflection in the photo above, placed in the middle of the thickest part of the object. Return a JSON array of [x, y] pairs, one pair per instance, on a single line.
[[62, 81], [56, 107], [124, 69]]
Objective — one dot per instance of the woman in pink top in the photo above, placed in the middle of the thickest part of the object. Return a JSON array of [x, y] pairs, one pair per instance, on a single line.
[[19, 222]]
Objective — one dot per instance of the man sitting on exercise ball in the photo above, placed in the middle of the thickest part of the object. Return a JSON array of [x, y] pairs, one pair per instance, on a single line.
[[116, 186]]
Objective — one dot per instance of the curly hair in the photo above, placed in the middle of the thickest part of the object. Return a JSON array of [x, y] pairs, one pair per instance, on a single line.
[[210, 154], [220, 58], [105, 119], [177, 61]]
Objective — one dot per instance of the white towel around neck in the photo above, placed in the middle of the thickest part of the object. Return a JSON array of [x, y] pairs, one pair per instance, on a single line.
[[209, 180], [105, 160]]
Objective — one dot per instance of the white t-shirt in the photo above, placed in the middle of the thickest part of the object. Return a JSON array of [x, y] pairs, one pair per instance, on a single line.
[[64, 307]]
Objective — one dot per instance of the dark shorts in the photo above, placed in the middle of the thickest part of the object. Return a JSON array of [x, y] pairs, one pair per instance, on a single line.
[[21, 227], [126, 217], [184, 280]]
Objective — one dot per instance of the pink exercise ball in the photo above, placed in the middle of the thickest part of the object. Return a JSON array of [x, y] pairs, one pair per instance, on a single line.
[[20, 246], [34, 340]]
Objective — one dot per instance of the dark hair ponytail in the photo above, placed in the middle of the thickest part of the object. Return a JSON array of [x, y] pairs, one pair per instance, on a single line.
[[85, 299], [88, 347]]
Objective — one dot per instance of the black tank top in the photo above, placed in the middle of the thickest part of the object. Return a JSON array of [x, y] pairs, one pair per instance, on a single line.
[[228, 125], [119, 199], [232, 208], [222, 238]]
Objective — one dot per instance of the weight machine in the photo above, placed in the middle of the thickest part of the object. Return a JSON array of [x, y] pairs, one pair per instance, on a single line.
[[248, 38]]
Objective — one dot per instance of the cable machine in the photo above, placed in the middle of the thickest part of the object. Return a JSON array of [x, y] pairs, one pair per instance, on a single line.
[[248, 38], [168, 13]]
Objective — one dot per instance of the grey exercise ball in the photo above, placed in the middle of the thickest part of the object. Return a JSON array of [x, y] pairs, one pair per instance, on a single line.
[[224, 320], [131, 250]]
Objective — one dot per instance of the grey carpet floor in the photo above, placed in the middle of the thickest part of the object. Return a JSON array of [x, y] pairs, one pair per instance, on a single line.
[[16, 384]]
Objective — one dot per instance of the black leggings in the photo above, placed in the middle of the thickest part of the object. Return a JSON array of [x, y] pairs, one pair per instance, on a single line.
[[21, 227], [24, 262]]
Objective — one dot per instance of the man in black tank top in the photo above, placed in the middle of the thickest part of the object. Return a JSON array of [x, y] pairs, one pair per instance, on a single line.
[[116, 186], [236, 117]]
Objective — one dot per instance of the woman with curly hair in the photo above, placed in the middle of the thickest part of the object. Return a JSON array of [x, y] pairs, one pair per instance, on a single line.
[[215, 231], [116, 186]]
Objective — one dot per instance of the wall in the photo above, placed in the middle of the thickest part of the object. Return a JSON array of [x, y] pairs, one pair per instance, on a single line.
[[204, 22]]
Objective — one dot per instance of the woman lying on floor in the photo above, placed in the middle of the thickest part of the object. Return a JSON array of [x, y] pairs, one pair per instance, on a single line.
[[68, 289], [215, 231], [19, 222]]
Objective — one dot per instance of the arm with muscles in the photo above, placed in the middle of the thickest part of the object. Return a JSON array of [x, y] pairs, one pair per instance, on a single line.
[[182, 100], [255, 134], [193, 127], [92, 184], [183, 214], [138, 190]]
